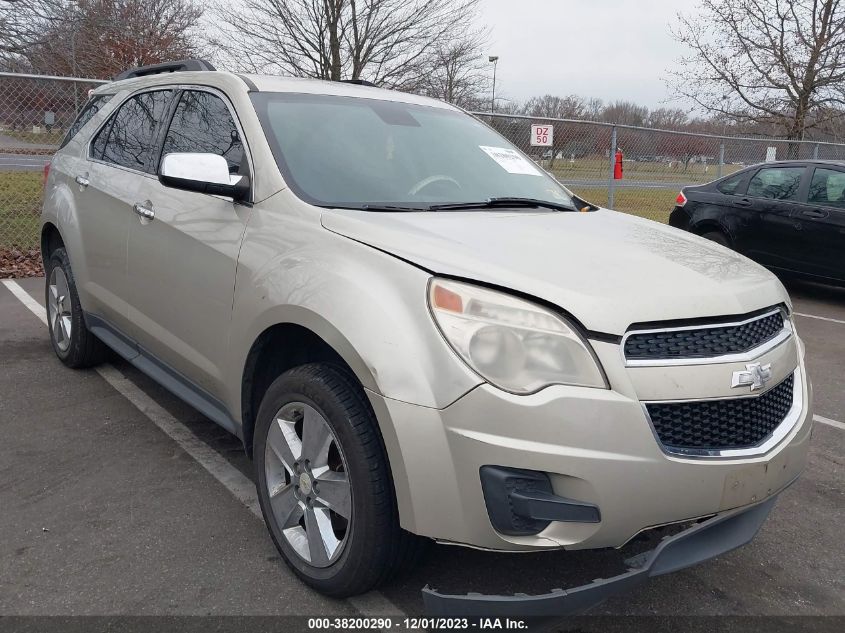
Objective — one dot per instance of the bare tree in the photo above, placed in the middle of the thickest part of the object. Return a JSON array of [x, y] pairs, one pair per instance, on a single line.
[[458, 72], [772, 62], [593, 109], [23, 25], [551, 106], [99, 38], [667, 119], [624, 113], [389, 42]]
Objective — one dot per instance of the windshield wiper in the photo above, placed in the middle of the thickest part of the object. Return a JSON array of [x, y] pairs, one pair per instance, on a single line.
[[386, 207], [495, 203]]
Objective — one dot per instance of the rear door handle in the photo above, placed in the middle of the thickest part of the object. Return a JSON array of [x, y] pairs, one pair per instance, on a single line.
[[82, 181], [144, 212], [743, 202], [814, 213]]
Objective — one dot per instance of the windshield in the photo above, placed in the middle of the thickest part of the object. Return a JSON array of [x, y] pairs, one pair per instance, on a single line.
[[356, 153]]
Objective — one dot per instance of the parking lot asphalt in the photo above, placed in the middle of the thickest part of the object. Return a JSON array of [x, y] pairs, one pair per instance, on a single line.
[[117, 498]]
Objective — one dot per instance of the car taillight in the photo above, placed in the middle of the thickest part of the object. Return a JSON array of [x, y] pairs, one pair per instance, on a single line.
[[46, 173], [681, 200]]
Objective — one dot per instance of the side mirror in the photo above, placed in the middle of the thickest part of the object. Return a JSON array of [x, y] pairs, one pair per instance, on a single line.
[[204, 173]]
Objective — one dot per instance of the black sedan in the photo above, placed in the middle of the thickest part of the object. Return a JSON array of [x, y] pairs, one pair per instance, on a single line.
[[787, 215]]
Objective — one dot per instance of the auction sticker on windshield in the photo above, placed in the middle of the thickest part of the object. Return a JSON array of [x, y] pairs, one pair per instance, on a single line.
[[510, 160]]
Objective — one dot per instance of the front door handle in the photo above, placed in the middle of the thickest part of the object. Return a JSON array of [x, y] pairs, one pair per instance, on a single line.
[[814, 213], [82, 181], [743, 202], [144, 212]]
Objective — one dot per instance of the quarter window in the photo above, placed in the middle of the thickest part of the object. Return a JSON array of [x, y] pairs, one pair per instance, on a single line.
[[827, 188], [729, 185], [203, 124], [777, 183], [129, 136], [86, 114]]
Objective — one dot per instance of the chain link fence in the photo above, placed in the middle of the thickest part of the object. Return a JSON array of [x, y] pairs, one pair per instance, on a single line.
[[36, 111], [656, 164]]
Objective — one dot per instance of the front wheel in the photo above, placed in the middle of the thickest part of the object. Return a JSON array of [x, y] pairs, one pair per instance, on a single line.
[[324, 482]]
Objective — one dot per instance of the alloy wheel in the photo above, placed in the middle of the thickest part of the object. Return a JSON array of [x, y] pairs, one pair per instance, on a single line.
[[59, 309], [307, 484]]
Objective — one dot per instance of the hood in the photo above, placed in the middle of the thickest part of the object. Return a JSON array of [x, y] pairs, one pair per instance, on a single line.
[[607, 269]]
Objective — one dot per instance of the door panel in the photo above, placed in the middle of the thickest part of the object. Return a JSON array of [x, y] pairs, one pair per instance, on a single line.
[[182, 262], [105, 209], [107, 183], [821, 238], [771, 199]]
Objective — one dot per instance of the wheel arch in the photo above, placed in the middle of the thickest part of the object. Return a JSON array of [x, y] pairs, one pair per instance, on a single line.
[[51, 239], [288, 344], [709, 225]]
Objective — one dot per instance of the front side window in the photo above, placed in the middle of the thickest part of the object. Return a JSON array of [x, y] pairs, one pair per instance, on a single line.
[[127, 139], [337, 151], [827, 188], [777, 183], [202, 123], [86, 114]]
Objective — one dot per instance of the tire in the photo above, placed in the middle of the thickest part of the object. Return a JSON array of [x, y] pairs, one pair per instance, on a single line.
[[718, 237], [72, 342], [371, 545]]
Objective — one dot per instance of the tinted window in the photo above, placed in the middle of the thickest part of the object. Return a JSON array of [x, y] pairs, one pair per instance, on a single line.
[[778, 183], [86, 114], [202, 123], [729, 185], [828, 188], [128, 138]]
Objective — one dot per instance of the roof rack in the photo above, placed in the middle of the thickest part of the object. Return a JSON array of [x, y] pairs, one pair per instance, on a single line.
[[182, 65], [359, 82]]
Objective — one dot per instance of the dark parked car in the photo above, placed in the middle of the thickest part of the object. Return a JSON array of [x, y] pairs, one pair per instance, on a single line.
[[786, 215]]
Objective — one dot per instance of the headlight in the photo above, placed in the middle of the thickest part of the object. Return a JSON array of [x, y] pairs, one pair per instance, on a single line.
[[514, 344]]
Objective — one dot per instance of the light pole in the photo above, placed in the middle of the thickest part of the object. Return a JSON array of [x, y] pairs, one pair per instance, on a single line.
[[493, 59]]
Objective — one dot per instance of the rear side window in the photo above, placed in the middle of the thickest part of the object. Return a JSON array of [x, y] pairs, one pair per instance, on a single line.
[[776, 183], [86, 114], [202, 123], [128, 137], [828, 188], [730, 185]]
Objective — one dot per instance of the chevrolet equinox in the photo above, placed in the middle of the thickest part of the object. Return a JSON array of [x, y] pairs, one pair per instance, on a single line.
[[417, 333]]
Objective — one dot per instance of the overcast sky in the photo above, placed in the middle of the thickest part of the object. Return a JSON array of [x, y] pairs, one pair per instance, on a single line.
[[610, 49]]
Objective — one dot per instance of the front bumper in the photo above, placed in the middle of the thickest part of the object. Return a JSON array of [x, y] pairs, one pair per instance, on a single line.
[[597, 447], [699, 543]]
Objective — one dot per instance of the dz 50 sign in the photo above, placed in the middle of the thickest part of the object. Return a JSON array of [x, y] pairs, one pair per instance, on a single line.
[[542, 135]]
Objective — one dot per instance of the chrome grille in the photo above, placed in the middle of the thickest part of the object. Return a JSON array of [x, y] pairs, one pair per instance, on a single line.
[[703, 342]]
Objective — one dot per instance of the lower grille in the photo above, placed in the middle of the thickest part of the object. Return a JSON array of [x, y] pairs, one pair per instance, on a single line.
[[722, 424]]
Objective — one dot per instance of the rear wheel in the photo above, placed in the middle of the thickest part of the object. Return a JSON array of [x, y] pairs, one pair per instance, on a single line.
[[73, 343], [718, 237], [324, 482]]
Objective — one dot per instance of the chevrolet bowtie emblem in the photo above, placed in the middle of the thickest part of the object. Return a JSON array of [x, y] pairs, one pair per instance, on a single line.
[[754, 376]]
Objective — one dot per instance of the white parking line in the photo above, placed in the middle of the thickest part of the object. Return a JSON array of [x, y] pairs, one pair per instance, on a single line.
[[829, 422], [820, 318], [372, 604]]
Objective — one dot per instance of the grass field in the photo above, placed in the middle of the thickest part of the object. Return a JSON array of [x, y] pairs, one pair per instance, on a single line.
[[597, 169], [20, 207], [654, 204], [52, 137]]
